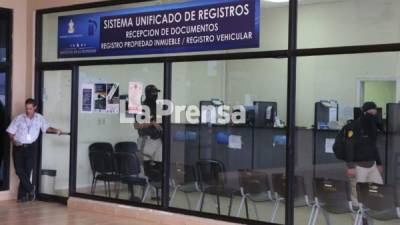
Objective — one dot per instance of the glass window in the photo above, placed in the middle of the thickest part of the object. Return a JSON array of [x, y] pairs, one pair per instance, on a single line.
[[55, 150], [3, 136], [237, 157], [334, 92], [273, 29], [4, 36], [116, 157], [327, 23]]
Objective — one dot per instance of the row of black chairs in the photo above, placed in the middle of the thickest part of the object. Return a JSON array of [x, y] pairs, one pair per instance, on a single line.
[[375, 201], [123, 164], [210, 178], [330, 196]]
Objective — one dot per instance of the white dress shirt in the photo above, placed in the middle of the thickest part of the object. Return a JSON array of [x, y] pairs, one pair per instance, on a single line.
[[27, 130]]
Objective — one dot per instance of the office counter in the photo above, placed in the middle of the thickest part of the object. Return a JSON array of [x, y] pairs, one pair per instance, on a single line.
[[261, 150]]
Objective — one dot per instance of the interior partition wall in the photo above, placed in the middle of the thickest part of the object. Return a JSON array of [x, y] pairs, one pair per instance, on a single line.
[[303, 46]]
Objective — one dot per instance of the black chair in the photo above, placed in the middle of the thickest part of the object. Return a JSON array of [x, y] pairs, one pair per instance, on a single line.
[[184, 179], [153, 170], [126, 146], [102, 164], [212, 181], [377, 201], [101, 147], [254, 186], [331, 196], [128, 167], [279, 187]]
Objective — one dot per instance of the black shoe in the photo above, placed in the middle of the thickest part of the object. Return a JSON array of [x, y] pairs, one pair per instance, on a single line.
[[22, 199], [32, 194]]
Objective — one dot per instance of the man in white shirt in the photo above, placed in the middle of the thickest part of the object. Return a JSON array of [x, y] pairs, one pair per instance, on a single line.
[[23, 131]]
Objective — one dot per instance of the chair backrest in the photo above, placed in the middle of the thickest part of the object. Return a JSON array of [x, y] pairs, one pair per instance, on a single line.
[[101, 147], [254, 182], [334, 195], [279, 186], [102, 162], [183, 173], [126, 147], [127, 164], [377, 197], [210, 172], [153, 170]]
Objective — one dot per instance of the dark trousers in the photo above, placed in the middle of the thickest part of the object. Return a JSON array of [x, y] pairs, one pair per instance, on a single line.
[[24, 162]]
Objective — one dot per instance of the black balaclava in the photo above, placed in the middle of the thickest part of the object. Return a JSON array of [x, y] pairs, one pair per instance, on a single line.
[[151, 95]]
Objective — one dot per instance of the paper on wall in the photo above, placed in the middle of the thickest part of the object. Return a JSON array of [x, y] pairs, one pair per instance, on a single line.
[[329, 145], [112, 98], [235, 142], [87, 98], [135, 96], [332, 114]]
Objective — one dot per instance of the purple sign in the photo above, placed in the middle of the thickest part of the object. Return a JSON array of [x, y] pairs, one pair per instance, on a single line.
[[204, 25]]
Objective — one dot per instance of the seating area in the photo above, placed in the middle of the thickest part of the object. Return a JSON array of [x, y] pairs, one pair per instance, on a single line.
[[207, 186]]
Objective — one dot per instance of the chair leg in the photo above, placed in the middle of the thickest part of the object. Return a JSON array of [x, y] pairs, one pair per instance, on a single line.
[[240, 206], [230, 205], [105, 187], [256, 210], [198, 206], [93, 185], [202, 201], [312, 214], [188, 201], [314, 221], [117, 186], [146, 193], [173, 196], [326, 215], [157, 196], [275, 210], [359, 217], [218, 205], [246, 204], [109, 189]]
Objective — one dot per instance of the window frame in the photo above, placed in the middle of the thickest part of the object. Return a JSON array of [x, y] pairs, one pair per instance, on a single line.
[[6, 68], [291, 54]]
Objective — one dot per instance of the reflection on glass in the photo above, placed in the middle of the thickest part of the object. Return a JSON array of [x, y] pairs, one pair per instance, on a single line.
[[54, 173], [3, 39], [3, 136], [119, 157], [228, 164], [347, 133]]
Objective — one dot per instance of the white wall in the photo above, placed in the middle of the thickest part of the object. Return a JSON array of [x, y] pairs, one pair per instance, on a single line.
[[348, 22], [21, 78]]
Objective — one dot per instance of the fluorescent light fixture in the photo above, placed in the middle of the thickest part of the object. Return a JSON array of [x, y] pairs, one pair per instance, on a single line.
[[276, 0]]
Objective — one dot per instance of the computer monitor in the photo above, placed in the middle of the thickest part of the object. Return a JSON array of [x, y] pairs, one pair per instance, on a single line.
[[325, 112], [265, 113]]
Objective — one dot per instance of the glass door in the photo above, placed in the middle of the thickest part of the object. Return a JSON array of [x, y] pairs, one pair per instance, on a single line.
[[55, 150]]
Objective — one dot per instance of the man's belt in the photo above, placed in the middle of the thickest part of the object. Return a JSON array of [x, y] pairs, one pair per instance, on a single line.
[[24, 145]]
